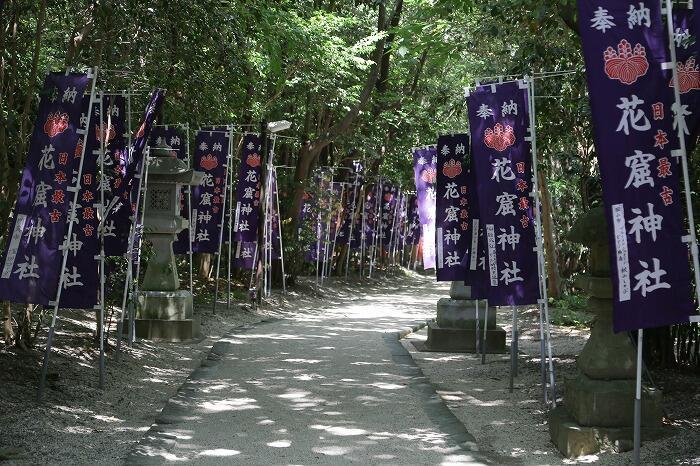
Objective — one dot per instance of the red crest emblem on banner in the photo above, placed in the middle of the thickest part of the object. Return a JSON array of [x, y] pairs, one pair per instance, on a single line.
[[452, 168], [55, 124], [253, 160], [100, 131], [499, 138], [209, 162], [688, 76], [626, 65], [428, 175]]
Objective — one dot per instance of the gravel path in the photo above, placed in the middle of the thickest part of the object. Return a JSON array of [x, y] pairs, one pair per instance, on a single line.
[[329, 386]]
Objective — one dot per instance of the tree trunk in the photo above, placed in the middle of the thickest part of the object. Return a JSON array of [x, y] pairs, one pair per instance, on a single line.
[[7, 332], [77, 37], [25, 329], [26, 106], [205, 262], [553, 275]]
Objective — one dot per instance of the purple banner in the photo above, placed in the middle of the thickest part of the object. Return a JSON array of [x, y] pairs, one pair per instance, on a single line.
[[425, 173], [400, 224], [453, 232], [243, 255], [499, 121], [371, 215], [32, 260], [686, 24], [624, 46], [348, 216], [82, 267], [171, 136], [211, 157], [308, 218], [122, 205], [413, 231], [351, 208], [247, 208], [476, 271], [389, 200], [314, 206]]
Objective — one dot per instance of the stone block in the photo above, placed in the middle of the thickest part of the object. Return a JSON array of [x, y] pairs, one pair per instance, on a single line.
[[453, 313], [165, 305], [607, 355], [167, 330], [573, 440], [609, 403], [458, 290], [459, 340]]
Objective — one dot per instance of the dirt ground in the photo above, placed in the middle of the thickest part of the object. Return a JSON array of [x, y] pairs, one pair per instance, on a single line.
[[80, 424], [514, 426]]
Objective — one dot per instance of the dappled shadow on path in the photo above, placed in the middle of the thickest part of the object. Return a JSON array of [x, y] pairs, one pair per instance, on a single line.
[[330, 385]]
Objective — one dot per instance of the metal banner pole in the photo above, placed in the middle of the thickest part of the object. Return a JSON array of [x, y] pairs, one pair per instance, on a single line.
[[513, 350], [223, 219], [254, 267], [189, 209], [264, 237], [279, 226], [373, 247], [363, 234], [318, 243], [353, 213], [397, 232], [377, 234], [230, 225], [392, 236], [134, 295], [269, 239], [638, 400], [405, 231], [337, 230], [64, 260], [682, 151], [267, 236], [103, 134], [477, 340], [327, 234], [486, 324], [132, 233], [542, 265]]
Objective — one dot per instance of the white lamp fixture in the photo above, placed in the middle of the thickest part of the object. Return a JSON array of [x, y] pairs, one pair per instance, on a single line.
[[277, 126]]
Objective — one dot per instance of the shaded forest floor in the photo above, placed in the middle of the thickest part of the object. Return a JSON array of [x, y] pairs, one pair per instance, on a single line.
[[514, 426]]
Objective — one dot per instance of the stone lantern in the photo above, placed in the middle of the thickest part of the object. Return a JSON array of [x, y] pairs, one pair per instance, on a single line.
[[598, 410], [454, 330], [164, 311]]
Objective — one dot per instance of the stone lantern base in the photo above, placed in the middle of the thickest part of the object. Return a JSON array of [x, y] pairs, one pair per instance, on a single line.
[[599, 415], [455, 328], [166, 316]]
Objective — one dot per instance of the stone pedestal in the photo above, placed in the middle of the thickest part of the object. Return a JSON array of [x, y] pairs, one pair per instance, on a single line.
[[164, 312], [455, 328], [598, 410]]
